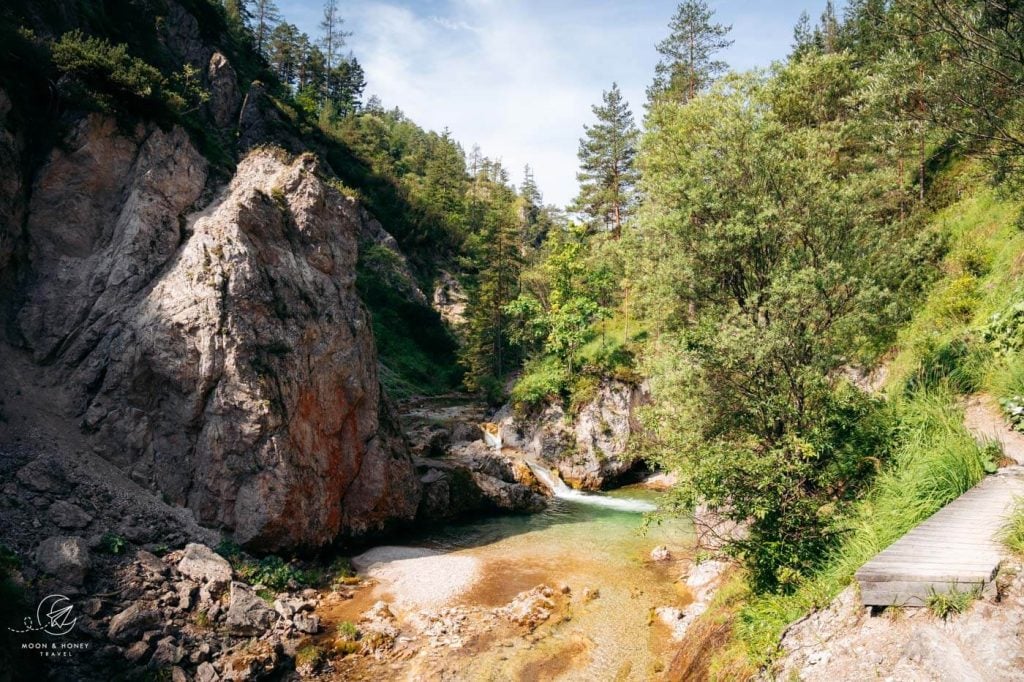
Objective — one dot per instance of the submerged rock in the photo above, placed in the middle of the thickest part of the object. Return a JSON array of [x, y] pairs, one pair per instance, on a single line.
[[531, 608]]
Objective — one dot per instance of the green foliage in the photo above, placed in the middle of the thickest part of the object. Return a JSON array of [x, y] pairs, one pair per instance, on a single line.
[[607, 154], [110, 78], [542, 380], [494, 248], [1004, 332], [958, 363], [952, 603], [934, 460], [112, 543], [1013, 532], [229, 549], [966, 348], [347, 631], [780, 269], [420, 363], [309, 656], [272, 572], [688, 65]]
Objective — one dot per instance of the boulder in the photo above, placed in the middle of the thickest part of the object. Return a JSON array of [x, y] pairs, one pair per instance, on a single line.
[[66, 558], [202, 564], [307, 623], [703, 578], [247, 612], [589, 449], [256, 661], [224, 94], [151, 564], [661, 553], [69, 516], [168, 652], [531, 608], [206, 673], [132, 622]]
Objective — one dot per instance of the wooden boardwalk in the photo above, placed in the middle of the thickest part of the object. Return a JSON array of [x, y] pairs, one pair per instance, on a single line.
[[957, 548]]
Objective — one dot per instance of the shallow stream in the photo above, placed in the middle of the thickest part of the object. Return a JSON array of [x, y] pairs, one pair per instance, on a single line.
[[584, 546]]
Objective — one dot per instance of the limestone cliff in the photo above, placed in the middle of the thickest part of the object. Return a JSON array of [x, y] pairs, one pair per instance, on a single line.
[[219, 355]]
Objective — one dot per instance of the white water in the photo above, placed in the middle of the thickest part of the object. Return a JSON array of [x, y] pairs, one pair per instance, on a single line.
[[560, 490]]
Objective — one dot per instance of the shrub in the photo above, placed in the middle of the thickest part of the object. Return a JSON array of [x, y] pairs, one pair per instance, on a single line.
[[1005, 330], [958, 299], [934, 461], [272, 572], [111, 543], [542, 380], [958, 363], [954, 602], [107, 76], [347, 631], [309, 656]]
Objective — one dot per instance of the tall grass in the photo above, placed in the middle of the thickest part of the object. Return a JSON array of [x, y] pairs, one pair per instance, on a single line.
[[980, 277], [936, 460], [1013, 532]]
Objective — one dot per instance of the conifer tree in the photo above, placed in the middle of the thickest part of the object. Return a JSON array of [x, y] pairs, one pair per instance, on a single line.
[[607, 153], [496, 251], [265, 16], [803, 36], [283, 52], [532, 213], [688, 63]]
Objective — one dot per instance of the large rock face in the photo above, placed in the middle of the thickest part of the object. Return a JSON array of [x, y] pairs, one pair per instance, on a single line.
[[222, 357], [590, 449]]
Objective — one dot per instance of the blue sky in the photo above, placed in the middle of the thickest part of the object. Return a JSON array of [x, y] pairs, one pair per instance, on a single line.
[[518, 77]]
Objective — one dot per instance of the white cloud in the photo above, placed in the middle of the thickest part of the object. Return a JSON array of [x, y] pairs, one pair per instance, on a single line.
[[511, 80], [518, 77]]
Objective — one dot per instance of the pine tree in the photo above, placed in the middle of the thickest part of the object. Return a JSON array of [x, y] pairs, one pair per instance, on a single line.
[[345, 84], [238, 13], [496, 251], [265, 16], [607, 174], [829, 29], [688, 64], [284, 53], [532, 212], [803, 36], [332, 40]]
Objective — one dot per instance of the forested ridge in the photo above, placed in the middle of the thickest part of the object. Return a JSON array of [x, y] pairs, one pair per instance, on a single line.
[[749, 244]]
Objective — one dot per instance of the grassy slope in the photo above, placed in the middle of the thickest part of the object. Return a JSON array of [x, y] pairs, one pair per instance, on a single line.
[[936, 460]]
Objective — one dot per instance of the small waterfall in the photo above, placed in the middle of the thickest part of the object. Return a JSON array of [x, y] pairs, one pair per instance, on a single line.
[[559, 489]]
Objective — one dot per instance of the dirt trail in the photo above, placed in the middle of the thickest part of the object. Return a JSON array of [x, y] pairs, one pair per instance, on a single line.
[[985, 421]]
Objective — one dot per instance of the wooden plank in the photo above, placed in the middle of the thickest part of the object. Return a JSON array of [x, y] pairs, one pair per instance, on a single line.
[[955, 549]]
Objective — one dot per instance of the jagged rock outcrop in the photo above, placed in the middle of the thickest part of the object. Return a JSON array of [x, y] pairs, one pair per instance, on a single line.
[[589, 449], [450, 300], [224, 357]]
